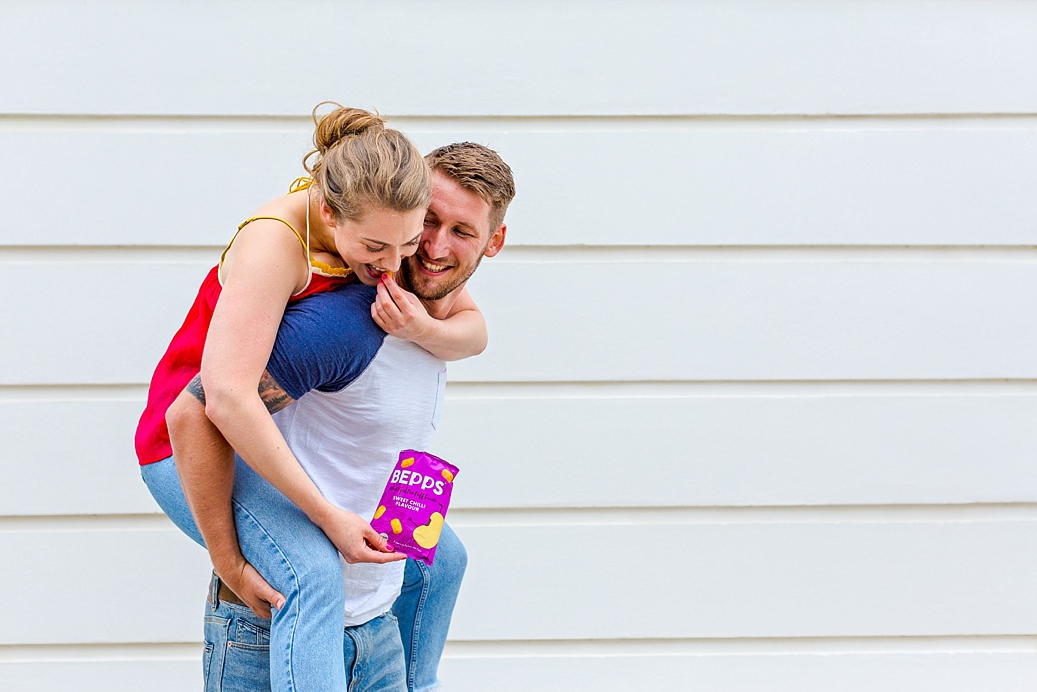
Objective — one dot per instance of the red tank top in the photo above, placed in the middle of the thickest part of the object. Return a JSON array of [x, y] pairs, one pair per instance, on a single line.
[[183, 360]]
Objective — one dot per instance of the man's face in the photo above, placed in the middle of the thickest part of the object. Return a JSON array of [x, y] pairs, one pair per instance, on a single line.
[[455, 238]]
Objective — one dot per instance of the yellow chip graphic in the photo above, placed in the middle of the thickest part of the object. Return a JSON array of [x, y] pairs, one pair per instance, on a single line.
[[428, 536], [407, 462], [379, 512], [397, 527], [448, 476]]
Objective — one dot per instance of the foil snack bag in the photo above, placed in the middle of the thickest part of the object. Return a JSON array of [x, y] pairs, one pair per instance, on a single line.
[[413, 507]]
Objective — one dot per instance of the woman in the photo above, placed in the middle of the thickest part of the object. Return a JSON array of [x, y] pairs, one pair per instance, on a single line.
[[362, 213]]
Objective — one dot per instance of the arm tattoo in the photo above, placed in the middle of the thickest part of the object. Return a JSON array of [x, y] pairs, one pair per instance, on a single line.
[[272, 395], [194, 388], [270, 392]]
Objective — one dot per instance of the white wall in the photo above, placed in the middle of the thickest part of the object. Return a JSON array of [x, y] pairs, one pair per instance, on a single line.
[[760, 405]]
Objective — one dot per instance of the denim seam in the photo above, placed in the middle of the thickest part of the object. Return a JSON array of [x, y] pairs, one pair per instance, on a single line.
[[416, 627], [294, 578], [354, 678]]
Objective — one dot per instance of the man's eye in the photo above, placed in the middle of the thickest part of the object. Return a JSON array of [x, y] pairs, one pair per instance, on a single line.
[[429, 222], [463, 234]]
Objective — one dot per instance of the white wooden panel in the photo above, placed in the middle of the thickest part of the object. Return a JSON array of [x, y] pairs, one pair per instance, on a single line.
[[102, 586], [601, 449], [939, 182], [585, 581], [765, 449], [94, 322], [910, 672], [102, 676], [642, 320], [533, 57], [159, 186], [89, 467], [571, 581], [746, 320], [734, 184], [890, 672]]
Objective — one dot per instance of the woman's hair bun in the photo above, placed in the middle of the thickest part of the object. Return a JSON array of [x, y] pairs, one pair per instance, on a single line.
[[340, 123], [358, 164]]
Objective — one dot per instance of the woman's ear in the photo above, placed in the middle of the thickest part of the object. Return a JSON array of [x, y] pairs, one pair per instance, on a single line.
[[326, 215]]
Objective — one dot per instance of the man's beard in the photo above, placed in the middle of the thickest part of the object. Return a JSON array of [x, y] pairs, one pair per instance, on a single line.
[[437, 291]]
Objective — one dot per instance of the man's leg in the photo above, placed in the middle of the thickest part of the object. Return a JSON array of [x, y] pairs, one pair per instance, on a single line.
[[237, 645], [374, 656], [296, 558], [425, 606]]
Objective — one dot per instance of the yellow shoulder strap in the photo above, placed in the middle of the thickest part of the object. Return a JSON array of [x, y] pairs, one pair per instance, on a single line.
[[298, 184], [257, 218]]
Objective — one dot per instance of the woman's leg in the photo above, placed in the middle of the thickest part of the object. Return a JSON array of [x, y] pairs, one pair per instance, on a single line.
[[425, 606], [295, 557]]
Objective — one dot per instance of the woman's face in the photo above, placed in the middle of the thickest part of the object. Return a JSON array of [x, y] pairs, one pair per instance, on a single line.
[[378, 242]]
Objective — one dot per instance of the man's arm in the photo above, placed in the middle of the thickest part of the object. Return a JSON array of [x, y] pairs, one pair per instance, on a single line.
[[452, 328], [205, 464]]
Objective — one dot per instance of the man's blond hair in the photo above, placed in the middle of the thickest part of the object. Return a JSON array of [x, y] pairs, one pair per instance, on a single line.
[[481, 170]]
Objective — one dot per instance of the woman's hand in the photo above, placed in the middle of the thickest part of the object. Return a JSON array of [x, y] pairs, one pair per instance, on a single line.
[[250, 586], [355, 538], [399, 312]]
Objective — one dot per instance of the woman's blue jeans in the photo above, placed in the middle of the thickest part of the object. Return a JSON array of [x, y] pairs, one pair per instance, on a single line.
[[294, 555]]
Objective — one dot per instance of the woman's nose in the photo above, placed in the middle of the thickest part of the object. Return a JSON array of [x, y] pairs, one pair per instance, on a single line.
[[392, 261]]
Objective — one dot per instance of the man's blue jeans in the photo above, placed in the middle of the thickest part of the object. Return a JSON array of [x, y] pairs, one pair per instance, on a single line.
[[300, 562], [237, 652]]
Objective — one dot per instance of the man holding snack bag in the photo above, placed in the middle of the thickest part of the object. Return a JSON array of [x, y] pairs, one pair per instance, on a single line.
[[353, 405]]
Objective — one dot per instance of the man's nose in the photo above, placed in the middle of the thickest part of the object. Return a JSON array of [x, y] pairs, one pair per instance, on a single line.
[[432, 242]]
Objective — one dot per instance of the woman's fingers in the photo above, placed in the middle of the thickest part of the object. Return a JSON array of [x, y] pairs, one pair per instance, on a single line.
[[358, 542], [387, 308]]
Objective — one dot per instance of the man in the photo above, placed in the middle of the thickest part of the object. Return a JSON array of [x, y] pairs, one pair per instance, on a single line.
[[342, 390]]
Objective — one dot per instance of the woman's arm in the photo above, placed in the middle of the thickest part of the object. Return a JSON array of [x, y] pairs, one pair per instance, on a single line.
[[205, 464], [257, 286], [455, 332]]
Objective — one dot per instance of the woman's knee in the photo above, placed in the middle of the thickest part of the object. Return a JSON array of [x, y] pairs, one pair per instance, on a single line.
[[451, 556]]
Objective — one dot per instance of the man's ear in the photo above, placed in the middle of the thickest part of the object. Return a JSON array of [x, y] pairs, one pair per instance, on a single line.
[[496, 241]]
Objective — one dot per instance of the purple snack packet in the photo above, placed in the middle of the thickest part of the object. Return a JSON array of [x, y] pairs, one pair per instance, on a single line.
[[414, 504]]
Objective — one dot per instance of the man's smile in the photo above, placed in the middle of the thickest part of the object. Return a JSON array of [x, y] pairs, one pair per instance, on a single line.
[[432, 267]]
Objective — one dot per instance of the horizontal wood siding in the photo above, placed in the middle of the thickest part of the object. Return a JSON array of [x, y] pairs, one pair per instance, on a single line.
[[759, 409]]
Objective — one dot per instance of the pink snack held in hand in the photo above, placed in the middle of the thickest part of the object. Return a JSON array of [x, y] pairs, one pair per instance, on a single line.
[[414, 504]]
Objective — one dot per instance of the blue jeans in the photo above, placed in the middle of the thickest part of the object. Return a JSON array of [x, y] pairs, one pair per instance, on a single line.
[[237, 652], [300, 562], [424, 607]]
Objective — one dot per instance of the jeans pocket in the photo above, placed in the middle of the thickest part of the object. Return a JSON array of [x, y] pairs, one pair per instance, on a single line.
[[249, 632], [215, 649], [246, 668], [206, 662]]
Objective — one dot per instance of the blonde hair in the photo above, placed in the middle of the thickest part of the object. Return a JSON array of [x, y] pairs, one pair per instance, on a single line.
[[361, 164], [481, 170]]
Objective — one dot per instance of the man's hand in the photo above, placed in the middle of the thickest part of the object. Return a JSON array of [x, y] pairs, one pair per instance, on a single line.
[[399, 312], [249, 585], [356, 540]]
